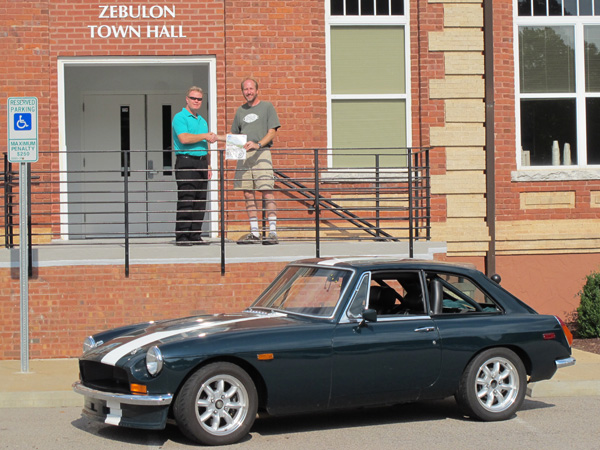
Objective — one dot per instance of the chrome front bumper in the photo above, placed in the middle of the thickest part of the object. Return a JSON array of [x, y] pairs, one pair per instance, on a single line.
[[566, 362], [144, 400]]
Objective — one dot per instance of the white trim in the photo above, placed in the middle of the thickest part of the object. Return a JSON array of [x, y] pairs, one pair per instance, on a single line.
[[64, 62], [62, 158], [558, 173]]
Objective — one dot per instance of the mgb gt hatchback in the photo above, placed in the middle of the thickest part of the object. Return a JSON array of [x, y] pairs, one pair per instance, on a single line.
[[327, 333]]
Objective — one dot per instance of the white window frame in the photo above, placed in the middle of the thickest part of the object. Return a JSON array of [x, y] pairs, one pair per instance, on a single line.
[[370, 20], [581, 170]]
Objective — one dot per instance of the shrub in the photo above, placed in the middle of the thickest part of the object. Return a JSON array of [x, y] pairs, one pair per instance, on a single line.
[[588, 312]]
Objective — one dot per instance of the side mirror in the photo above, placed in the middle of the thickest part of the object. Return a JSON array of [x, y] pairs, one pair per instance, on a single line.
[[368, 315]]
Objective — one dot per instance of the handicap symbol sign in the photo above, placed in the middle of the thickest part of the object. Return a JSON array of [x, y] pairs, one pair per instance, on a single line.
[[22, 122]]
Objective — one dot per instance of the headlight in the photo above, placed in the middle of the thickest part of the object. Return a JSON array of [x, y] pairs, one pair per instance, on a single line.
[[88, 344], [154, 361]]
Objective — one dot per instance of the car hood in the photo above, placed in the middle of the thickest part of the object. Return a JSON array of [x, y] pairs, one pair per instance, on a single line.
[[111, 348]]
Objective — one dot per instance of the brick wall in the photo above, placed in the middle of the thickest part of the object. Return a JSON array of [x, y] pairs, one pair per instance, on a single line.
[[67, 304]]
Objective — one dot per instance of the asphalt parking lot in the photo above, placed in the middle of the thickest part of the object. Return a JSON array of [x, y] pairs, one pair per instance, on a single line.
[[548, 423]]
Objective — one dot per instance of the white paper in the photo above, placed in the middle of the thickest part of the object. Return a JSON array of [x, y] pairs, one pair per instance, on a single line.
[[234, 146]]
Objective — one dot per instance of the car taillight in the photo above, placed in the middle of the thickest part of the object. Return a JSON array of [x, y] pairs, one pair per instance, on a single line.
[[566, 330]]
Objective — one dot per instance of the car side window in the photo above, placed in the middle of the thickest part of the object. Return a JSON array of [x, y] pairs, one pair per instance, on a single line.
[[396, 293], [359, 301], [460, 295]]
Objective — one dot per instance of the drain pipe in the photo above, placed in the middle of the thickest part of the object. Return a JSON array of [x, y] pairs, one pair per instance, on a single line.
[[490, 166]]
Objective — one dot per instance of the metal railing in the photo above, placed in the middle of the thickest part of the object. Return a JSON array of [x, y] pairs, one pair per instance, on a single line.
[[321, 195]]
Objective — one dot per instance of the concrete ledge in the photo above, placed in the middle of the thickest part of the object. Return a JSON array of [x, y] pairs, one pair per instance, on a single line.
[[79, 253]]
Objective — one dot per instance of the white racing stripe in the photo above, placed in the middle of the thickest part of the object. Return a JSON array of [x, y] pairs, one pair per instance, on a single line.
[[112, 357]]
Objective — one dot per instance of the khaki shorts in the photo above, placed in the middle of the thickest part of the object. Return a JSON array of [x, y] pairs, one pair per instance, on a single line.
[[255, 173]]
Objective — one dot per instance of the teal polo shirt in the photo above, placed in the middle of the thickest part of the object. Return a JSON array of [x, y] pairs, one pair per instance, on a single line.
[[185, 122]]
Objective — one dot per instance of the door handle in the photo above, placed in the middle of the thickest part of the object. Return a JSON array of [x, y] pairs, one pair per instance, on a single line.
[[151, 171], [424, 330]]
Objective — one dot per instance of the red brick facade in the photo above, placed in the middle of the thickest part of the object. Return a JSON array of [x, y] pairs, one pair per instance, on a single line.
[[66, 304], [283, 45]]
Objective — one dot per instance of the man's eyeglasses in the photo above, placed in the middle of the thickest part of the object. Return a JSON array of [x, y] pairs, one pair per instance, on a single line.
[[196, 99]]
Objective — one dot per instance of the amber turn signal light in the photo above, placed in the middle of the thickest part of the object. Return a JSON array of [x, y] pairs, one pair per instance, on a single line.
[[138, 389]]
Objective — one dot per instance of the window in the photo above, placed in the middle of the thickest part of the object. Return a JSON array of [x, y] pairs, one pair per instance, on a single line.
[[460, 295], [559, 82], [397, 293], [305, 290], [367, 81], [359, 301]]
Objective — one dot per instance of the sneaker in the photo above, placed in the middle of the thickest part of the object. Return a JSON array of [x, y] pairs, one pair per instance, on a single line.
[[271, 239], [249, 238]]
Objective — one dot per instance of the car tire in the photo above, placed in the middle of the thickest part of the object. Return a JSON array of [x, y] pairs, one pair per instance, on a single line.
[[217, 405], [493, 385]]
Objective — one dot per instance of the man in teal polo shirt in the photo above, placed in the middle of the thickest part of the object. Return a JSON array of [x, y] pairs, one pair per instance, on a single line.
[[192, 171]]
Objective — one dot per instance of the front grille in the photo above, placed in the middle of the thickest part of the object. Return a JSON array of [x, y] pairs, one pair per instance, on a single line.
[[103, 377]]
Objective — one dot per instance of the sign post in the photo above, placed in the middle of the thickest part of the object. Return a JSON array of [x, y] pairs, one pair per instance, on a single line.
[[23, 149]]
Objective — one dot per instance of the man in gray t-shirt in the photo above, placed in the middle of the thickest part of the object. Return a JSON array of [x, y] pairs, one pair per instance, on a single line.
[[259, 122]]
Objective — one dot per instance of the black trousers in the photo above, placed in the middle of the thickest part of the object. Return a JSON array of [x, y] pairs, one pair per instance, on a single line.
[[191, 174]]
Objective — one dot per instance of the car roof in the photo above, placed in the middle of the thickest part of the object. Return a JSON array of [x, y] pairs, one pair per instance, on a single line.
[[387, 263]]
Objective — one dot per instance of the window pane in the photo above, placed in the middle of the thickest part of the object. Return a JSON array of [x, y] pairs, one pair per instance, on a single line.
[[383, 8], [547, 59], [546, 121], [353, 125], [367, 60], [398, 7], [570, 7], [337, 7], [462, 296], [352, 7], [524, 7], [539, 8], [585, 7], [592, 106], [555, 8], [592, 58], [366, 8], [597, 7]]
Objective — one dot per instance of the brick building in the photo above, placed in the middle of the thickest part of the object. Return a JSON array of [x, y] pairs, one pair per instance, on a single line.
[[504, 93]]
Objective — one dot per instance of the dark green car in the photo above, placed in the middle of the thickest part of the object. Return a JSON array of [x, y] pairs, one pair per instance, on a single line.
[[327, 333]]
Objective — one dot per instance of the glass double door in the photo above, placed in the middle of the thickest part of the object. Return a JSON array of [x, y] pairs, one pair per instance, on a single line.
[[127, 151]]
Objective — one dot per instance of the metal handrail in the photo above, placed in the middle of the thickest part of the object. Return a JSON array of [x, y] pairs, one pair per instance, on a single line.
[[399, 197]]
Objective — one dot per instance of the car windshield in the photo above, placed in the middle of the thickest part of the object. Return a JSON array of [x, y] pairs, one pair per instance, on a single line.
[[307, 290]]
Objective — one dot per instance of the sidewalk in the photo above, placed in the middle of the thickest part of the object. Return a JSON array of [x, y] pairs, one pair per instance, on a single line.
[[48, 382]]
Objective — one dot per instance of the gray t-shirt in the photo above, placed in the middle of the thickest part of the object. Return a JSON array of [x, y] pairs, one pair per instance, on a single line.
[[255, 121]]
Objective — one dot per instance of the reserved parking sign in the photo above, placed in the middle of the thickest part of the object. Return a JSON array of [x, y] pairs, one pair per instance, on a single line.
[[22, 129]]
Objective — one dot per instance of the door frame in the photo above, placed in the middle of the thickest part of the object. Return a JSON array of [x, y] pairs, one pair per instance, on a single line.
[[64, 62]]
